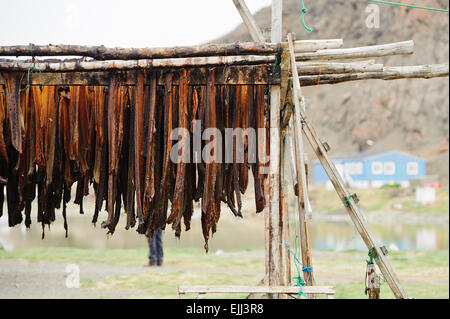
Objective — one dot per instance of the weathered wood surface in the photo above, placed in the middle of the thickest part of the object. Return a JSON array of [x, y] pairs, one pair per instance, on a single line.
[[389, 73], [372, 282], [398, 48], [276, 264], [327, 290], [17, 65], [314, 68], [314, 45], [104, 53], [303, 200], [249, 21], [261, 74]]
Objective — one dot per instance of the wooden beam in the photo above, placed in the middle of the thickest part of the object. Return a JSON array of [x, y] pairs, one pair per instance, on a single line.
[[249, 21], [276, 271], [232, 75], [389, 73], [314, 68], [314, 45], [123, 65], [104, 53], [399, 48], [327, 290], [303, 199]]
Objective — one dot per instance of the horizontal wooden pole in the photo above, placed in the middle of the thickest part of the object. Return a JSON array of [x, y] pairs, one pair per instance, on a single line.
[[389, 73], [233, 75], [257, 290], [399, 48], [314, 68], [104, 53], [123, 65], [314, 45]]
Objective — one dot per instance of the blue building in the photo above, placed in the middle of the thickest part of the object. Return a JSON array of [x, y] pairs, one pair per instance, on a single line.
[[373, 170]]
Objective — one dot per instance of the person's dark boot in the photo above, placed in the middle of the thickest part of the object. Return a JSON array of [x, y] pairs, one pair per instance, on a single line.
[[150, 264], [159, 263]]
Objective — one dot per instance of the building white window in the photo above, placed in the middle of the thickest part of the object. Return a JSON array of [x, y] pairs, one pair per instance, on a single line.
[[412, 168], [354, 168], [377, 168], [389, 168], [358, 168]]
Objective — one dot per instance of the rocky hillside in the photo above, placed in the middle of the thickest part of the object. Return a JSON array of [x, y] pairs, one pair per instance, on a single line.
[[407, 115]]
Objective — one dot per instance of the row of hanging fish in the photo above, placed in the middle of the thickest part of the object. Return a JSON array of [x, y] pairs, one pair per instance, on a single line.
[[115, 140]]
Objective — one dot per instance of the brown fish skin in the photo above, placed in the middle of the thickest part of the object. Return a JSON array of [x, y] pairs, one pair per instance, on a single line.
[[181, 166], [100, 102], [243, 167], [73, 123], [39, 128], [3, 152], [257, 118], [131, 187], [208, 200], [113, 155], [49, 96], [83, 120], [149, 191], [167, 145], [139, 143], [12, 86]]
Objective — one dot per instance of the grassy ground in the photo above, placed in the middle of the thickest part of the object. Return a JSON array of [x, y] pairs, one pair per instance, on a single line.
[[423, 274], [384, 199]]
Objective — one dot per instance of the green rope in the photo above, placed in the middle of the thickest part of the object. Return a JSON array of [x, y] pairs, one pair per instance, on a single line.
[[33, 68], [371, 254], [304, 11], [276, 66], [408, 5], [299, 282], [346, 202]]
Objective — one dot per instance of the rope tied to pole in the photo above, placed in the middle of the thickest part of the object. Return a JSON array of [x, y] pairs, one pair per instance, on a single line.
[[372, 255], [355, 198], [299, 282], [31, 69]]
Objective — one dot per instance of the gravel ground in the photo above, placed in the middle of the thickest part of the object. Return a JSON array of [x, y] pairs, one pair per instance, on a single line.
[[48, 280]]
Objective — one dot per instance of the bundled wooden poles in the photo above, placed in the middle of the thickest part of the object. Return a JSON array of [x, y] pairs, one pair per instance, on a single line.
[[118, 142]]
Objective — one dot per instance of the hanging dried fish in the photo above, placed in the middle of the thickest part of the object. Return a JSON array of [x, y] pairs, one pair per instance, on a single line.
[[117, 139], [139, 146], [113, 115], [208, 200], [181, 165], [12, 86], [3, 153], [149, 192]]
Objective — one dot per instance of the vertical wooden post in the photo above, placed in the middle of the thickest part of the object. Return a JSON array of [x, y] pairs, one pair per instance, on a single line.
[[278, 220], [372, 282], [303, 201]]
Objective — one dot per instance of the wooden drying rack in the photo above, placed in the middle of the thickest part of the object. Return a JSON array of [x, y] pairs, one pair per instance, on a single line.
[[245, 64]]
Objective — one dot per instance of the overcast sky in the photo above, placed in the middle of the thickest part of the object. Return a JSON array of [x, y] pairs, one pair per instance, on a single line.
[[124, 23]]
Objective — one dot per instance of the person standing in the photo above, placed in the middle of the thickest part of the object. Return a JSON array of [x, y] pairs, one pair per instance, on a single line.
[[156, 249]]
